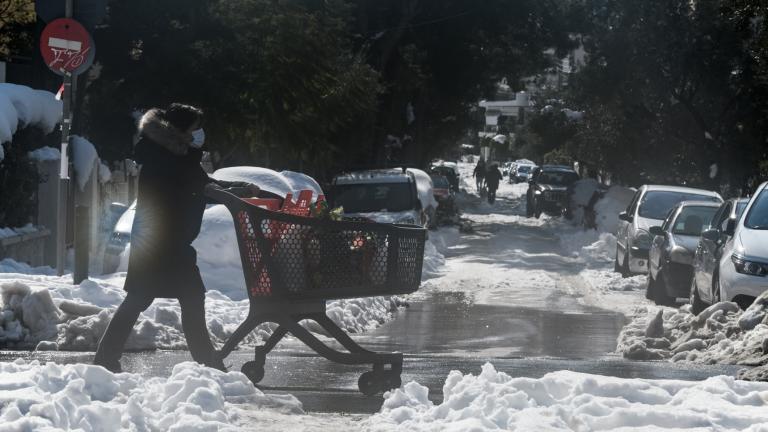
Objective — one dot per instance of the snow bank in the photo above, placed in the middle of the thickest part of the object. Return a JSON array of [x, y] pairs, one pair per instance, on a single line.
[[84, 156], [301, 181], [567, 401], [12, 232], [67, 397], [607, 209], [21, 106], [714, 336], [45, 154]]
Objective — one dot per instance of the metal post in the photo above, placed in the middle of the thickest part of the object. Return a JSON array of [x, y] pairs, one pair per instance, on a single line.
[[82, 243], [66, 123]]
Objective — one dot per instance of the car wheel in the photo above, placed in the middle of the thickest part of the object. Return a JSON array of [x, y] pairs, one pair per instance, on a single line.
[[624, 269], [659, 291], [716, 295], [697, 304]]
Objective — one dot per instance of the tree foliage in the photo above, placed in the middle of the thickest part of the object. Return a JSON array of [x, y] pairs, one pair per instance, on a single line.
[[15, 18]]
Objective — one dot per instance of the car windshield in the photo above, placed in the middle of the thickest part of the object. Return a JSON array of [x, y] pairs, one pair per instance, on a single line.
[[691, 220], [757, 218], [374, 197], [440, 182], [524, 169], [657, 204], [558, 178]]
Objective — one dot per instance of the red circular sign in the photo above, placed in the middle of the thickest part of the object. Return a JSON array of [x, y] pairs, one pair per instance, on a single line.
[[66, 46]]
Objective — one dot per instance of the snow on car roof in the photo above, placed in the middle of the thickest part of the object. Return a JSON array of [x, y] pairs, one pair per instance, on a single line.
[[392, 175], [666, 188], [699, 204]]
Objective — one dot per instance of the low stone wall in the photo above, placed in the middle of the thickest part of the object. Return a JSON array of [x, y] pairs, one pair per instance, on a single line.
[[26, 248]]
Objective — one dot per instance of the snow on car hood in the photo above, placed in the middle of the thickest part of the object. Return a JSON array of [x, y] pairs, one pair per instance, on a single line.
[[267, 179], [752, 244]]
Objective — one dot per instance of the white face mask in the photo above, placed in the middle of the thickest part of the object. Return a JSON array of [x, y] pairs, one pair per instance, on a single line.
[[198, 138]]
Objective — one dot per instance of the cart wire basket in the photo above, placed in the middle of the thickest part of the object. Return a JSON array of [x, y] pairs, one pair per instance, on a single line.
[[293, 263]]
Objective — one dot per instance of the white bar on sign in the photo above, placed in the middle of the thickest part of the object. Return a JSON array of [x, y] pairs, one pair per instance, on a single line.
[[65, 44]]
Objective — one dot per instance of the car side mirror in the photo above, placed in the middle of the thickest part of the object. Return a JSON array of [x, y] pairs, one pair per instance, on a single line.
[[712, 235], [730, 228], [625, 217], [656, 230]]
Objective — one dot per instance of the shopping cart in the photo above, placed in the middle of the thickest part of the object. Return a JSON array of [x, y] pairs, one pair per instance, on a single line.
[[293, 263]]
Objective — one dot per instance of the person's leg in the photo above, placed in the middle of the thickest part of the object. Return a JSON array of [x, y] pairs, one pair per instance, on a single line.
[[111, 345], [196, 331]]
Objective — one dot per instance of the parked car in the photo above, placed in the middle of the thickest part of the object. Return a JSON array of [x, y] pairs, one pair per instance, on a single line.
[[521, 173], [731, 262], [670, 258], [649, 207], [548, 190], [442, 189], [450, 170], [384, 195]]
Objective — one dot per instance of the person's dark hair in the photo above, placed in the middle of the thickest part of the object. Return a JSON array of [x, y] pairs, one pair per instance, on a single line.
[[182, 117]]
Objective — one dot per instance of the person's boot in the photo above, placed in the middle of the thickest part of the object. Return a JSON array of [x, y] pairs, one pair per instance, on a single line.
[[112, 366]]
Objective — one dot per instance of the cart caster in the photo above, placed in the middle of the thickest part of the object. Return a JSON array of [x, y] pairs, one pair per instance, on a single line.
[[373, 382], [254, 370]]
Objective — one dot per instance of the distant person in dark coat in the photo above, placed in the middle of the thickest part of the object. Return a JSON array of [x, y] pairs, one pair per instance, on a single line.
[[492, 179], [479, 174], [169, 212]]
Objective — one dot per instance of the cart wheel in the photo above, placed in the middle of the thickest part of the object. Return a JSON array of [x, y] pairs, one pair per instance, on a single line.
[[369, 383], [391, 380], [254, 370]]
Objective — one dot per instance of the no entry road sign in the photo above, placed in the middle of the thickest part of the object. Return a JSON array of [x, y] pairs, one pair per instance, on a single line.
[[66, 46]]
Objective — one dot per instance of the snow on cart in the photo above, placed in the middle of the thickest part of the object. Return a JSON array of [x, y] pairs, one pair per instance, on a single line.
[[295, 257]]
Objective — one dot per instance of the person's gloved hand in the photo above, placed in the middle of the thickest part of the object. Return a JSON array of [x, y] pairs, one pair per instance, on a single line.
[[243, 189]]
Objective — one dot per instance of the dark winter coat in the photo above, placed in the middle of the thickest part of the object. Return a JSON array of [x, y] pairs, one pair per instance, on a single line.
[[169, 212], [492, 178]]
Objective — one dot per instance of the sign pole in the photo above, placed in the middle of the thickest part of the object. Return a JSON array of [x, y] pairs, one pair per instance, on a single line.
[[66, 123]]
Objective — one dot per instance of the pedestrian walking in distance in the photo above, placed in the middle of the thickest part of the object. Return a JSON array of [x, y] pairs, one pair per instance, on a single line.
[[479, 174], [492, 179], [169, 212]]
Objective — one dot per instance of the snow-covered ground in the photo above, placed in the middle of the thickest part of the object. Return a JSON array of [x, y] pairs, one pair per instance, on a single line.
[[570, 401]]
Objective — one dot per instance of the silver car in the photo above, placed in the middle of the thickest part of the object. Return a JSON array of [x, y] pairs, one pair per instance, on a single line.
[[670, 259], [649, 207]]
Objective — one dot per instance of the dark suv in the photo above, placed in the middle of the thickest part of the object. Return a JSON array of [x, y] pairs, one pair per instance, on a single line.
[[548, 190]]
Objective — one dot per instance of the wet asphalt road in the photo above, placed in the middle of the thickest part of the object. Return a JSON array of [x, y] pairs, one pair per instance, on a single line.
[[533, 331]]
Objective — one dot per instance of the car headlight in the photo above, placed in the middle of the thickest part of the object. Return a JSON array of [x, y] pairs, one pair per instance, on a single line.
[[748, 267], [538, 192], [642, 240]]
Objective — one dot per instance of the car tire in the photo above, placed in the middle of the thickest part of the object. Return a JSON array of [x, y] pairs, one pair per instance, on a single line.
[[717, 296], [624, 269], [697, 304], [656, 291]]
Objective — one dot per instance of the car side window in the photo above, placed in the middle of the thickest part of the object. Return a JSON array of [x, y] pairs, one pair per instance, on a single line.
[[723, 221], [668, 221], [718, 217]]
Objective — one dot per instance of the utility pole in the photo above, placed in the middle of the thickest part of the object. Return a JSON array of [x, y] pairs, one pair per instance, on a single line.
[[66, 124]]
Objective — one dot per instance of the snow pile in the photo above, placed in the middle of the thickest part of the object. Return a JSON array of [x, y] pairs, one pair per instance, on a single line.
[[8, 265], [13, 232], [45, 154], [84, 156], [67, 397], [567, 401], [21, 106], [607, 209], [714, 336]]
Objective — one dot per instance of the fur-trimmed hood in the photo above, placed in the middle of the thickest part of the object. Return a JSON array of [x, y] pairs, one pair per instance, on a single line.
[[159, 131]]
